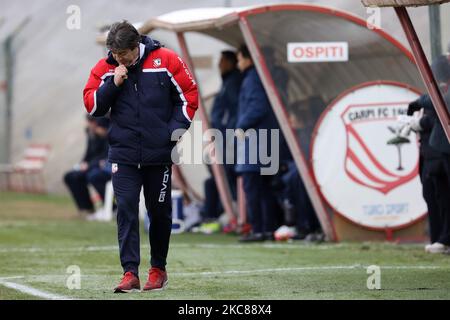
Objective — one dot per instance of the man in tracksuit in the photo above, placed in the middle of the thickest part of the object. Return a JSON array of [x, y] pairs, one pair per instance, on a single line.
[[151, 93]]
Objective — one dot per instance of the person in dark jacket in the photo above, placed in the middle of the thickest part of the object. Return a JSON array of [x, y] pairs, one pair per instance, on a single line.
[[429, 162], [435, 161], [90, 169], [300, 216], [153, 98], [223, 117], [279, 74], [255, 112], [225, 107]]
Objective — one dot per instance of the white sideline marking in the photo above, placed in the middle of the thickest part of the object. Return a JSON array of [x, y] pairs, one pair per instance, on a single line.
[[186, 245], [52, 277], [178, 245], [58, 249], [311, 268], [30, 290], [13, 277], [252, 246]]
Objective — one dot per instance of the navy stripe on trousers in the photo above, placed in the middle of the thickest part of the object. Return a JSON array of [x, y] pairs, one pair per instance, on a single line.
[[127, 183]]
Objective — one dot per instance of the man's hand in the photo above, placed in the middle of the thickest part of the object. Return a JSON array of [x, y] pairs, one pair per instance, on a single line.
[[413, 107], [84, 166], [120, 74]]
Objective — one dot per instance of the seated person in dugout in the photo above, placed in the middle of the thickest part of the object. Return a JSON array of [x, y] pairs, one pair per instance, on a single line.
[[93, 168], [300, 220]]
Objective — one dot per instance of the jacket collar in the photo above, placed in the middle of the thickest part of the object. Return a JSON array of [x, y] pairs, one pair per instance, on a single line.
[[229, 73], [248, 70]]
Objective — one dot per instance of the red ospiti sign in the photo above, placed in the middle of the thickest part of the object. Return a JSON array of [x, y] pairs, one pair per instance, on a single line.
[[317, 51]]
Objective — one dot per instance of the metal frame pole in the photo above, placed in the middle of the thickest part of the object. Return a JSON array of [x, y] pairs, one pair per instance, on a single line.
[[424, 69], [434, 13]]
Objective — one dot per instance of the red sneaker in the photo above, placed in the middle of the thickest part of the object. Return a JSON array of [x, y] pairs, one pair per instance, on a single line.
[[129, 283], [157, 279]]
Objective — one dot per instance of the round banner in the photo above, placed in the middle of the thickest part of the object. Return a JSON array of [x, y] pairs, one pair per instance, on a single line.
[[364, 161]]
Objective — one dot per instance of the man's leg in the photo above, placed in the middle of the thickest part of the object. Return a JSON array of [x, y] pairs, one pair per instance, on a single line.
[[429, 193], [98, 178], [444, 191], [158, 200], [77, 184], [232, 179], [252, 187], [311, 219], [212, 201], [290, 194], [127, 183], [268, 206], [293, 181]]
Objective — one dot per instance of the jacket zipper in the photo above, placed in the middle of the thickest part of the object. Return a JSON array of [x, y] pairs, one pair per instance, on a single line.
[[140, 137]]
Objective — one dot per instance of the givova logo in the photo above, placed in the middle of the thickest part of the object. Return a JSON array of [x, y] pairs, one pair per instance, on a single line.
[[162, 193]]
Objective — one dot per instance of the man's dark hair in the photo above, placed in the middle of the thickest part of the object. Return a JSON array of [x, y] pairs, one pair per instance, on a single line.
[[230, 56], [244, 51], [122, 36]]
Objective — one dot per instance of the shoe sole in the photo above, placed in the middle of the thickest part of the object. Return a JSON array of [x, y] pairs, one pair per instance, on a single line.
[[164, 286], [126, 291], [436, 252]]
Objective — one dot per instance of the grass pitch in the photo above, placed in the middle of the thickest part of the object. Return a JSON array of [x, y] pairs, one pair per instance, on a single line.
[[40, 237]]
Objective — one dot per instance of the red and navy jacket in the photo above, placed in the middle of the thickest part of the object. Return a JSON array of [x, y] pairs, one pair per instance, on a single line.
[[159, 96]]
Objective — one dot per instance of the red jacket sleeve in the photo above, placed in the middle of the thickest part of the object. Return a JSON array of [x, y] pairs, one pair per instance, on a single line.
[[100, 92], [184, 94]]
